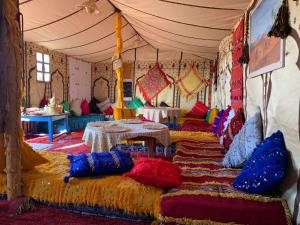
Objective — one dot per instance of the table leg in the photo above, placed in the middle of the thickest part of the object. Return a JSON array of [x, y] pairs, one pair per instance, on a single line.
[[169, 121], [174, 123], [50, 130], [150, 143], [66, 121]]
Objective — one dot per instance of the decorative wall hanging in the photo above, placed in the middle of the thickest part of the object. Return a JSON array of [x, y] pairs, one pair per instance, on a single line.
[[153, 83], [237, 68], [266, 53], [191, 82]]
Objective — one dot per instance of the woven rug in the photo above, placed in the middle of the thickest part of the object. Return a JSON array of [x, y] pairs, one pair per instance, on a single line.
[[153, 83]]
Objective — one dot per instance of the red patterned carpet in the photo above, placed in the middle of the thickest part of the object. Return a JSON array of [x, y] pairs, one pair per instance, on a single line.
[[51, 216]]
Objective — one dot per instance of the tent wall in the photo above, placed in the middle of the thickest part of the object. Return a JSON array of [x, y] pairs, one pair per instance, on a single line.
[[137, 63], [278, 95], [35, 90]]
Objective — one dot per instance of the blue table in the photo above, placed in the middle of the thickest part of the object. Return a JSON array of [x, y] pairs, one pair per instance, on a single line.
[[49, 119]]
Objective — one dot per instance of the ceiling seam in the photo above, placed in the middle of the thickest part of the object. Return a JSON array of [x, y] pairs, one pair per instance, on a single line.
[[175, 21], [96, 24], [55, 21]]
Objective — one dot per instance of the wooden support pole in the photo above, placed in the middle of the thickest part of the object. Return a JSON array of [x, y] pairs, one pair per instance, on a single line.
[[10, 93]]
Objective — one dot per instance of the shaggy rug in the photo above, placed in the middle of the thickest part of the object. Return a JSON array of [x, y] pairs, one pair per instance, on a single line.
[[43, 215]]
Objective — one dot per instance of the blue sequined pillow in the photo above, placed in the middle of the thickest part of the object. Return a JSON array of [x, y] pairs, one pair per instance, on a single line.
[[96, 164], [265, 168]]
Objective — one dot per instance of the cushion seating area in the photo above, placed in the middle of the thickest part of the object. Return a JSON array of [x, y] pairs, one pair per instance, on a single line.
[[46, 184], [207, 196], [80, 122]]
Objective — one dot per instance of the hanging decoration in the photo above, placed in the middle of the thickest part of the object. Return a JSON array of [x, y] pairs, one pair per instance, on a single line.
[[191, 82], [281, 27], [245, 58], [237, 68]]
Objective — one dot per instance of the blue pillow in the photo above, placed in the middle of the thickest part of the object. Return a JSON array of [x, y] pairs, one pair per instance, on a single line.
[[265, 168], [96, 164]]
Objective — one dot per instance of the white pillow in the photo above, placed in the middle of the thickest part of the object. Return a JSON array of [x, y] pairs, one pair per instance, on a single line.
[[244, 142], [75, 107], [104, 105]]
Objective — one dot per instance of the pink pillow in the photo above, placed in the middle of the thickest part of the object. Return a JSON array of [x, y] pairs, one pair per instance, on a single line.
[[85, 107]]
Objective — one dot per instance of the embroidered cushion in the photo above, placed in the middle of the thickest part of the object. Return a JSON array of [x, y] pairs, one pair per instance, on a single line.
[[198, 111], [233, 128], [93, 106], [216, 121], [156, 172], [266, 167], [99, 163], [85, 109], [222, 120], [163, 104], [75, 107], [148, 104], [191, 82], [228, 119], [154, 82], [43, 102], [244, 142]]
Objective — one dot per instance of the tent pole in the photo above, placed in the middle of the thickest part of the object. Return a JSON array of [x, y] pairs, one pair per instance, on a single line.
[[11, 76]]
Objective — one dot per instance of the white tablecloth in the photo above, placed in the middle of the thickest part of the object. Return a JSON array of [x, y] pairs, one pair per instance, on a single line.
[[100, 141], [157, 113]]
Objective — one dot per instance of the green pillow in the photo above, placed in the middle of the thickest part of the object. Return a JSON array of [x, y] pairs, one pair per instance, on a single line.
[[207, 116], [66, 106], [135, 103]]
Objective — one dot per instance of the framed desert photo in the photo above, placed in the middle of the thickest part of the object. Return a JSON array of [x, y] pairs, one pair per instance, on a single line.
[[266, 53]]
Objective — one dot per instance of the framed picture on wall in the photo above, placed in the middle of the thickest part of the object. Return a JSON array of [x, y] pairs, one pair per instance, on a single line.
[[266, 53]]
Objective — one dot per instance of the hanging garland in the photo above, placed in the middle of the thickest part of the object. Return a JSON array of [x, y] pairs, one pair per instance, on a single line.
[[281, 27]]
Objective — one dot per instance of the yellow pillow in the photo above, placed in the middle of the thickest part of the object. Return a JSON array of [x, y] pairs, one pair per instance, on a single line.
[[29, 158], [213, 115]]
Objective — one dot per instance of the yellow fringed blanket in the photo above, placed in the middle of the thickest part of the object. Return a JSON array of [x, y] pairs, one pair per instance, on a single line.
[[45, 183]]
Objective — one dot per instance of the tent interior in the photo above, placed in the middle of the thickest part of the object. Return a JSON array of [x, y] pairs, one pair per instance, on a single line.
[[157, 111]]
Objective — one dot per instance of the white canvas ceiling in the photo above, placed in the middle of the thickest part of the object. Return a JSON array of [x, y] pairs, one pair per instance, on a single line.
[[190, 26]]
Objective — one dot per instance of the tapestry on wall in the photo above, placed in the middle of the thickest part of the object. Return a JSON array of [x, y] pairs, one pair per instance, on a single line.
[[237, 68], [154, 82], [191, 82], [266, 53]]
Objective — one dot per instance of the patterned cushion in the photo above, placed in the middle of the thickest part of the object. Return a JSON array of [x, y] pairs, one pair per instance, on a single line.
[[66, 106], [96, 164], [198, 111], [153, 83], [190, 82], [156, 172], [233, 128], [222, 120], [266, 167], [244, 142], [163, 104], [135, 104], [217, 121], [148, 104], [85, 107], [228, 119]]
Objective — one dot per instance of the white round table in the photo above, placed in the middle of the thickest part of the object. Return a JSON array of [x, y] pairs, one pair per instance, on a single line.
[[96, 136], [157, 113]]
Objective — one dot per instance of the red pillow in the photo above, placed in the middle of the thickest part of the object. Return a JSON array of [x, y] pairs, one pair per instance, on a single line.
[[85, 108], [199, 111], [156, 172], [109, 111], [233, 129]]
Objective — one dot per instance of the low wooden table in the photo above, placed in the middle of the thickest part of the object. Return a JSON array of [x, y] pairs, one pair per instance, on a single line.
[[48, 119]]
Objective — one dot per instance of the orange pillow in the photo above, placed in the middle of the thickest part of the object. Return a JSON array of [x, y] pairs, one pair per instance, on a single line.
[[29, 158], [156, 172]]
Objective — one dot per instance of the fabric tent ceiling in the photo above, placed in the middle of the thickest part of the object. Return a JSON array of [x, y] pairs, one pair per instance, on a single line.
[[190, 26]]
